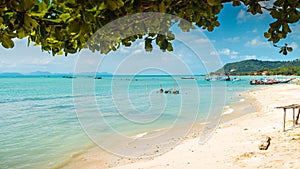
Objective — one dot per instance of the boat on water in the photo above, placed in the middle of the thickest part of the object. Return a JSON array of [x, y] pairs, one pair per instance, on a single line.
[[284, 81], [68, 77], [187, 78], [235, 79], [219, 78], [268, 81]]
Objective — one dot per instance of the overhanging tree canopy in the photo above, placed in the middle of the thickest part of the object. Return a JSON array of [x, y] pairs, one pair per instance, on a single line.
[[63, 26]]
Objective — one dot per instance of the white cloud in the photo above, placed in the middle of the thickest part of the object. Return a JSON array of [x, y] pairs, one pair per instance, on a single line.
[[228, 52], [202, 40], [267, 4], [233, 56], [249, 57], [254, 30], [242, 16], [234, 53], [225, 51], [295, 32], [137, 51], [213, 53], [233, 39], [124, 50], [257, 42], [42, 60], [294, 45]]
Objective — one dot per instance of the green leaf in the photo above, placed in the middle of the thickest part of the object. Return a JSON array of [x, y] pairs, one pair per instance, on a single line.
[[114, 4], [267, 35], [7, 42], [293, 18], [102, 6], [21, 33], [236, 3], [53, 20], [64, 17], [213, 2], [40, 8], [47, 2], [162, 7], [284, 51], [27, 4], [71, 5], [275, 14], [29, 23], [148, 44], [170, 47], [278, 2], [286, 28]]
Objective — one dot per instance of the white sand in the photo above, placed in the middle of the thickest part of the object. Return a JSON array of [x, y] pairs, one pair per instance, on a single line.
[[234, 144]]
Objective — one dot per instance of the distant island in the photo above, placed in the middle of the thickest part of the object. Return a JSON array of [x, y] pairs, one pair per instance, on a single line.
[[258, 67], [49, 74]]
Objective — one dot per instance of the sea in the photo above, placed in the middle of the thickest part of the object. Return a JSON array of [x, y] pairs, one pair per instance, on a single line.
[[43, 120]]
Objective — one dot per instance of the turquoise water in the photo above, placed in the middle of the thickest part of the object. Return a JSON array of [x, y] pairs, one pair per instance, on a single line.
[[39, 127]]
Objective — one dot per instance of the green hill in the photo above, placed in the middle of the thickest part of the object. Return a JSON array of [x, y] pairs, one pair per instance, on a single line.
[[247, 67]]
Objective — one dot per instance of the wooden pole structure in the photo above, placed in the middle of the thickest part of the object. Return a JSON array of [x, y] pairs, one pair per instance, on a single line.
[[293, 117], [297, 118], [284, 116]]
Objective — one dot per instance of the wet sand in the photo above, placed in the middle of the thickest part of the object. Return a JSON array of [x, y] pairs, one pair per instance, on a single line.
[[234, 144]]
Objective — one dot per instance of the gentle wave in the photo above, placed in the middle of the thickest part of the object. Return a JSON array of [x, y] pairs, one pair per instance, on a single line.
[[228, 110], [140, 135]]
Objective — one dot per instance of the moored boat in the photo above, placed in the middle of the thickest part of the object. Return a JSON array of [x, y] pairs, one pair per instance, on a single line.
[[268, 81]]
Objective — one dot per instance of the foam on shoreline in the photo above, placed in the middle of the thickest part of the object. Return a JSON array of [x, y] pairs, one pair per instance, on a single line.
[[244, 105], [228, 110]]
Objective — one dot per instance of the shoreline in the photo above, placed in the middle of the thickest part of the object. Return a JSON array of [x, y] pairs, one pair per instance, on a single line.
[[96, 157], [234, 144]]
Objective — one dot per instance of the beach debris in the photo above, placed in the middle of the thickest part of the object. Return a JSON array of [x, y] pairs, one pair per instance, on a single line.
[[265, 143], [246, 155]]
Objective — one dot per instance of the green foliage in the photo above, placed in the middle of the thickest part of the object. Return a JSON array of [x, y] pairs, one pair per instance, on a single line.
[[284, 12], [248, 67], [64, 26], [285, 70]]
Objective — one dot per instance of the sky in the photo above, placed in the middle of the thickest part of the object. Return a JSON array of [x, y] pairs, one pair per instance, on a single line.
[[239, 37]]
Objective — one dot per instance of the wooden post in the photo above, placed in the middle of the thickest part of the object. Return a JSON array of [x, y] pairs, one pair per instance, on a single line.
[[297, 118], [293, 117], [284, 116]]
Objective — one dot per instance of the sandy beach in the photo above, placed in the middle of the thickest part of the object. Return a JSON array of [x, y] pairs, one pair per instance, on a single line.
[[234, 144]]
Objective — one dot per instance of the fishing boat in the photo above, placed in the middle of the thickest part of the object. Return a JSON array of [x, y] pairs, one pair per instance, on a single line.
[[261, 82], [284, 80], [69, 77], [218, 78], [187, 78], [268, 81]]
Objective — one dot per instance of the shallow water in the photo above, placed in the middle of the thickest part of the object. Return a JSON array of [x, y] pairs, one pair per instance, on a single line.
[[39, 127]]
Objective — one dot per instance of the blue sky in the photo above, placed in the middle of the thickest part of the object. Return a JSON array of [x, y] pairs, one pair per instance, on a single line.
[[239, 37]]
